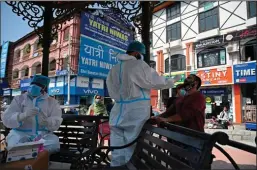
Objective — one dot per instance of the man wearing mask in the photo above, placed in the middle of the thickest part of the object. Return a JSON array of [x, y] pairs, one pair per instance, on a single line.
[[190, 111], [129, 84], [33, 116]]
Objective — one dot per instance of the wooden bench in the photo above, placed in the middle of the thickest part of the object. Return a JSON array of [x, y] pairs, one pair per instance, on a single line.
[[159, 148], [77, 134]]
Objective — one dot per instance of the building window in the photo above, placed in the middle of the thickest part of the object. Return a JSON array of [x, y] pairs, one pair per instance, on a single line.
[[15, 74], [38, 69], [177, 63], [66, 34], [211, 57], [37, 45], [27, 49], [250, 50], [208, 20], [173, 32], [52, 65], [25, 72], [252, 9], [173, 11], [204, 3]]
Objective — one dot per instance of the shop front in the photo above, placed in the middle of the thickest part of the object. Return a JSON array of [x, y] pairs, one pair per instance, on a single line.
[[245, 89], [82, 89], [217, 89]]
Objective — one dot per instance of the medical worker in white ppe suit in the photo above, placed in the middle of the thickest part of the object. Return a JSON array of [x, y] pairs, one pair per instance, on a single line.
[[34, 115], [129, 84]]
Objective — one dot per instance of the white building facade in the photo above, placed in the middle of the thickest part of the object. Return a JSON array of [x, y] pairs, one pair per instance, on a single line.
[[207, 38]]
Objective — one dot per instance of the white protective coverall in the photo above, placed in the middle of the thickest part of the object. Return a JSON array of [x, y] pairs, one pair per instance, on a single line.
[[129, 84], [23, 131]]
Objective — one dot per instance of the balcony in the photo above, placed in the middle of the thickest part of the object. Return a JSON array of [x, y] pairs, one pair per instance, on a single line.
[[37, 52], [25, 57]]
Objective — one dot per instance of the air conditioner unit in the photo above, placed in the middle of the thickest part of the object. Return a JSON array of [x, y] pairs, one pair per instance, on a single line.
[[232, 48]]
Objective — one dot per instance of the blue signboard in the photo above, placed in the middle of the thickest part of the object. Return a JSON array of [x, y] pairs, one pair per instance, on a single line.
[[245, 73], [96, 58], [55, 91], [24, 84], [4, 54], [61, 72], [89, 86], [7, 92], [213, 91], [103, 29]]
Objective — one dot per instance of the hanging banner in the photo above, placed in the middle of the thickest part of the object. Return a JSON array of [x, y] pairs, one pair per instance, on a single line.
[[104, 30], [96, 58], [3, 59]]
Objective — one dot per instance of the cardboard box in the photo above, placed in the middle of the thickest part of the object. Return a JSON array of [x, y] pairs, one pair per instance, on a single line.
[[23, 151], [40, 163]]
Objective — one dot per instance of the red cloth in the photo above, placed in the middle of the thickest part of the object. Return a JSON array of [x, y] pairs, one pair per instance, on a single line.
[[191, 108]]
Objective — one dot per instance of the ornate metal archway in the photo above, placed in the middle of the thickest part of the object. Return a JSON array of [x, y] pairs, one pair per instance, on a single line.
[[53, 14]]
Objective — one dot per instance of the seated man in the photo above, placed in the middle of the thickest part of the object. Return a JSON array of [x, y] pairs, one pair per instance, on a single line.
[[190, 110], [34, 115]]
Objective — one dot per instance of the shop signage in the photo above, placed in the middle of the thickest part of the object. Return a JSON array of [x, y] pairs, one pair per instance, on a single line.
[[7, 92], [61, 72], [104, 30], [56, 91], [213, 91], [245, 73], [3, 59], [24, 84], [208, 42], [16, 92], [88, 91], [242, 34], [101, 41], [216, 76], [96, 58], [173, 74]]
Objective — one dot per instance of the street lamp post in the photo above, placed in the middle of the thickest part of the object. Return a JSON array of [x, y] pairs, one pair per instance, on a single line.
[[68, 70]]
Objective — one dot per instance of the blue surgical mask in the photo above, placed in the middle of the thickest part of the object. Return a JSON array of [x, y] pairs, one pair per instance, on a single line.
[[182, 92], [34, 90]]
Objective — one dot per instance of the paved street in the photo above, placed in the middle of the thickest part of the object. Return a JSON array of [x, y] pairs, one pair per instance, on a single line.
[[245, 160]]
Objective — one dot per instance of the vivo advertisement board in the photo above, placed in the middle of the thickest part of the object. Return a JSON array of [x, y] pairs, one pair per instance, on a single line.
[[80, 86], [101, 41], [4, 55], [89, 86], [245, 73]]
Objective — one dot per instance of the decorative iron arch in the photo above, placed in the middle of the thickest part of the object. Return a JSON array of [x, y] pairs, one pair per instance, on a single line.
[[54, 14]]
